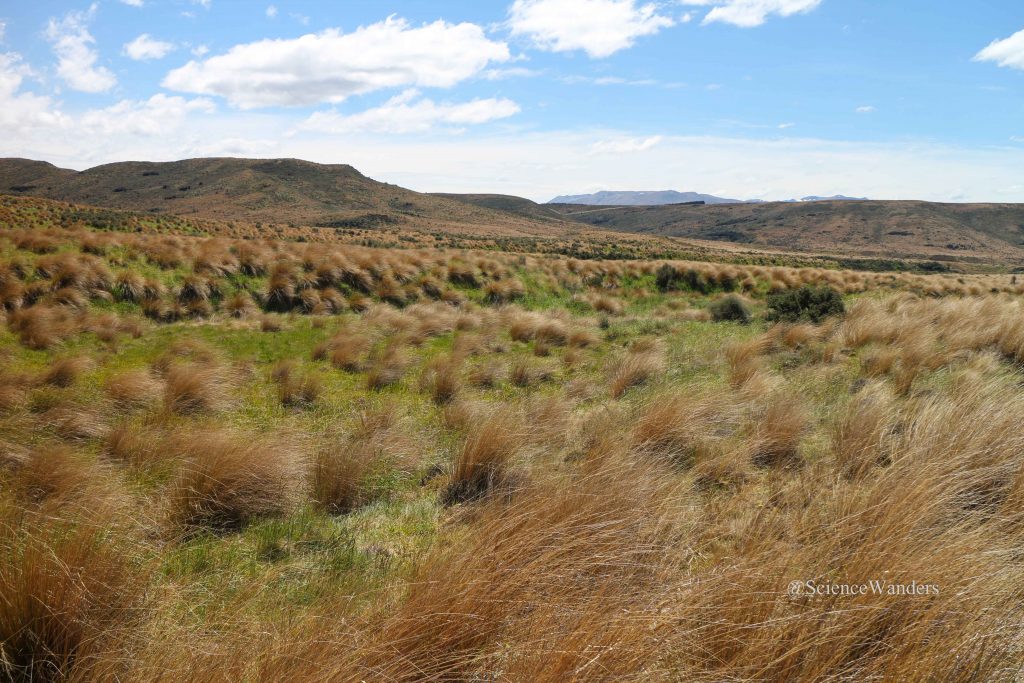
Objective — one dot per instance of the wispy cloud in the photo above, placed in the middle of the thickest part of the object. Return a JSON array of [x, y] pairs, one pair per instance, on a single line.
[[751, 13], [409, 113], [76, 55], [145, 47]]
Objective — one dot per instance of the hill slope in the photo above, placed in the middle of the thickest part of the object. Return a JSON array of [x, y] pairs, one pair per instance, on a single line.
[[272, 191], [507, 203], [868, 228]]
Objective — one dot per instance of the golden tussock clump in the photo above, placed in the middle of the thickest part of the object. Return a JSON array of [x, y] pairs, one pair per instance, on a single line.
[[863, 433], [191, 388], [41, 327], [777, 432], [63, 372], [386, 366], [343, 468], [60, 477], [442, 378], [635, 369], [484, 463], [486, 375], [227, 479], [72, 593], [681, 429], [296, 389], [134, 389], [744, 359]]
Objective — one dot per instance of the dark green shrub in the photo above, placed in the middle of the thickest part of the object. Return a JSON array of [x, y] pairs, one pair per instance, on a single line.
[[729, 308], [668, 278], [807, 303]]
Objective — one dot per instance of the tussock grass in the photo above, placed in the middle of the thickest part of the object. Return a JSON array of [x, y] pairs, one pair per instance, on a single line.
[[632, 505], [485, 460], [227, 479]]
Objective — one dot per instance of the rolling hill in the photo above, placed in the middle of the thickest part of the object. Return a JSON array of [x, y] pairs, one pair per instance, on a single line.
[[290, 192], [276, 191], [908, 229]]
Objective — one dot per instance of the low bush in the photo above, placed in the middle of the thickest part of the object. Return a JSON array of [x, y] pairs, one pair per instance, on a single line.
[[729, 308], [806, 303]]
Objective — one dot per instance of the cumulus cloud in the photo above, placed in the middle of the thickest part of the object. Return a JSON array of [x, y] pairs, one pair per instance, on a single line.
[[153, 117], [22, 111], [625, 145], [750, 13], [146, 47], [409, 113], [1007, 52], [330, 66], [598, 27], [73, 45]]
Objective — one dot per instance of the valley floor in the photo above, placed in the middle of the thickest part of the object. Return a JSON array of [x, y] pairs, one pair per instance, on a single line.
[[266, 460]]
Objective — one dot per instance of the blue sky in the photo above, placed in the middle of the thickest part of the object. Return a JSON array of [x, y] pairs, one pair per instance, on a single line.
[[766, 99]]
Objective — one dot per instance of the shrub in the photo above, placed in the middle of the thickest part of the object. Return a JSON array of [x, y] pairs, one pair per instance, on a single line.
[[806, 303], [729, 308], [668, 278]]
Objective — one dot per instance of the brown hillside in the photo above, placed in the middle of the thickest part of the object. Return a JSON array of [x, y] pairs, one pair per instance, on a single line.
[[909, 229], [278, 191]]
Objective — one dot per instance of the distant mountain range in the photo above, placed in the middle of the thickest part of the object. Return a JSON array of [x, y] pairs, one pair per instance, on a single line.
[[664, 197], [652, 198]]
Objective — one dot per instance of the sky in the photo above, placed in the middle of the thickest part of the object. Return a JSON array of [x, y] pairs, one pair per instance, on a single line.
[[752, 99]]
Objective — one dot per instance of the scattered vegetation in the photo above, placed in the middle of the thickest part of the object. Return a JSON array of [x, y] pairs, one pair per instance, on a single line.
[[263, 459]]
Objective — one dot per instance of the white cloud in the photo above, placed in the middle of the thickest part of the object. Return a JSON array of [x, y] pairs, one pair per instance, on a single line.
[[784, 126], [330, 66], [750, 13], [625, 145], [133, 3], [409, 113], [200, 51], [21, 112], [512, 72], [1007, 52], [1017, 138], [598, 27], [146, 47], [866, 109], [157, 116], [271, 11], [72, 43]]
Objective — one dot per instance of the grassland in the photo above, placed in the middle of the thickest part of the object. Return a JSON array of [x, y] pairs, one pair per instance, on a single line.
[[268, 459]]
